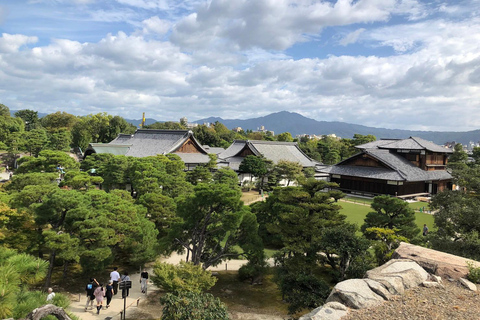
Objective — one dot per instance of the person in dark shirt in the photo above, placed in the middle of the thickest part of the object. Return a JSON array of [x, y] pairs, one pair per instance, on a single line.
[[144, 280], [90, 289], [109, 292], [125, 277]]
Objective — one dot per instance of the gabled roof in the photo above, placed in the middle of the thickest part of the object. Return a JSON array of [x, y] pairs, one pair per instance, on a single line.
[[213, 150], [272, 150], [398, 168], [412, 143], [119, 149], [376, 144], [147, 142]]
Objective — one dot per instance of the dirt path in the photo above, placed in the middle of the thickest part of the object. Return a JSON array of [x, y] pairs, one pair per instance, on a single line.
[[116, 305], [232, 265]]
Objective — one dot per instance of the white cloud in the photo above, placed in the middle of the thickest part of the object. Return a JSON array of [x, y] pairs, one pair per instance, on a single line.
[[146, 4], [156, 25], [221, 62], [13, 42], [352, 37], [277, 24]]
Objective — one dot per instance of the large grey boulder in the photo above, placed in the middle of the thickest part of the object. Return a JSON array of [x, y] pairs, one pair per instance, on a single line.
[[435, 262], [329, 311], [398, 274], [355, 293]]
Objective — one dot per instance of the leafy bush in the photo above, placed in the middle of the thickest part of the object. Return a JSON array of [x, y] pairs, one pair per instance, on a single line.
[[473, 273], [184, 277], [302, 291], [193, 306]]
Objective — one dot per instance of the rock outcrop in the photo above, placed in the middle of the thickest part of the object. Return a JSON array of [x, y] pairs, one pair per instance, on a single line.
[[412, 266], [379, 285], [435, 262]]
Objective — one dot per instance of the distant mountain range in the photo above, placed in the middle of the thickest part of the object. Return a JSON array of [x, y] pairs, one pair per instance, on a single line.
[[297, 124]]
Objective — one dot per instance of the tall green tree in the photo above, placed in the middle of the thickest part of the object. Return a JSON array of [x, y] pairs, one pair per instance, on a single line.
[[58, 120], [458, 220], [257, 166], [212, 224], [29, 117], [47, 161], [392, 213], [285, 136], [288, 170], [36, 140]]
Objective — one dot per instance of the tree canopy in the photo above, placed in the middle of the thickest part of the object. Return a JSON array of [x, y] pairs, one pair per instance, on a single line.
[[392, 213]]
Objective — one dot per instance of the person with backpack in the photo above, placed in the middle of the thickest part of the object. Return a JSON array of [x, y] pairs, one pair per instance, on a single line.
[[90, 289]]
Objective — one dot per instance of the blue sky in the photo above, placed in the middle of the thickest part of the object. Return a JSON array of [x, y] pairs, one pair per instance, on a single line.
[[406, 64]]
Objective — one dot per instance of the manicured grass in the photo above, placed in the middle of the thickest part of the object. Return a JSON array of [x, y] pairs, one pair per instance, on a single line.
[[356, 214], [359, 199], [418, 205]]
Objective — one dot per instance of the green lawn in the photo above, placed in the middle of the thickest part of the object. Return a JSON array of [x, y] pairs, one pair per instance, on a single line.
[[356, 214], [359, 199]]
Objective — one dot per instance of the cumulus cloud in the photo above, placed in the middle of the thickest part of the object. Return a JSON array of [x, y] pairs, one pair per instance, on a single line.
[[276, 24], [156, 25], [435, 67], [12, 42]]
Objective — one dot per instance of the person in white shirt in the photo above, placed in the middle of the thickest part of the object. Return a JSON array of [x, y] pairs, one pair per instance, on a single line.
[[51, 295], [115, 277]]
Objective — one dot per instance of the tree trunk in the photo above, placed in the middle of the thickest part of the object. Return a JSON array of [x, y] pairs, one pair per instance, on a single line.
[[65, 264], [48, 278], [46, 310]]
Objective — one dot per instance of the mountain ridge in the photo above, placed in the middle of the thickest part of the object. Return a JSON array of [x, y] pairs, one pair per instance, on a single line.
[[296, 124]]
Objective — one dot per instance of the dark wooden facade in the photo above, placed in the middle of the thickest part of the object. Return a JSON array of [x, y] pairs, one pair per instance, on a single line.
[[394, 188], [423, 159], [189, 146]]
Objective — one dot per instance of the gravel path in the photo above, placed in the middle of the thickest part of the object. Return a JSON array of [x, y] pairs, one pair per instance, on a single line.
[[452, 303]]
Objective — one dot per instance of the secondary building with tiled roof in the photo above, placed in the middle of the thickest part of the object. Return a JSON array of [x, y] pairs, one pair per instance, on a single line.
[[275, 151], [271, 150], [396, 167], [148, 142]]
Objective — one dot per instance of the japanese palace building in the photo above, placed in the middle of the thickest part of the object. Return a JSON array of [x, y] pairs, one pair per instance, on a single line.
[[396, 167]]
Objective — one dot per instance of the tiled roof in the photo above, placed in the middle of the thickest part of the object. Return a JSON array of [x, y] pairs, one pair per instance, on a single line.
[[271, 150], [276, 151], [412, 143], [233, 150], [213, 150], [375, 144], [147, 142], [400, 169], [120, 149]]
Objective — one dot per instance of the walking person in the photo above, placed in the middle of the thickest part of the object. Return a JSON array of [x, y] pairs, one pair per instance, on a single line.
[[124, 278], [144, 280], [425, 230], [115, 277], [109, 292], [90, 289], [99, 294]]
